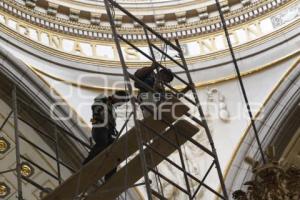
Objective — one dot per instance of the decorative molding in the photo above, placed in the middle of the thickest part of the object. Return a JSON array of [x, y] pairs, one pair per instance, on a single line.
[[52, 9], [202, 13], [74, 15], [250, 72], [96, 19], [30, 3], [139, 8], [284, 17], [224, 6], [181, 17], [92, 50], [246, 2], [182, 30]]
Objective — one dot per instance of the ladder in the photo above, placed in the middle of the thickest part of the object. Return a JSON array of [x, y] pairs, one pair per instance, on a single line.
[[154, 139]]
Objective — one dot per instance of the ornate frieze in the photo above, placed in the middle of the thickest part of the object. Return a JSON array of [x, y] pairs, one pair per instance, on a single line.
[[30, 3], [95, 19], [118, 21], [286, 16], [159, 20], [94, 49], [74, 15], [246, 2], [91, 47], [224, 6], [138, 8], [182, 30], [202, 13], [181, 17], [52, 9]]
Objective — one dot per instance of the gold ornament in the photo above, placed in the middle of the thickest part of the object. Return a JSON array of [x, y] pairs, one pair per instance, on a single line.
[[4, 145], [271, 181], [4, 190], [26, 170]]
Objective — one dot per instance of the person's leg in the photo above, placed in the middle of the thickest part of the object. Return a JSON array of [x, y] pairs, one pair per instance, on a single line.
[[94, 151], [114, 170], [100, 137]]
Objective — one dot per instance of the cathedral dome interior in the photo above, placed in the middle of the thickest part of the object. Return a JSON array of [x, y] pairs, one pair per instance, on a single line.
[[149, 99]]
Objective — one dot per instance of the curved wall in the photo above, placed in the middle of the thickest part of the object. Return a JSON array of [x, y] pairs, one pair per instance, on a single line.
[[278, 123], [265, 62], [40, 108]]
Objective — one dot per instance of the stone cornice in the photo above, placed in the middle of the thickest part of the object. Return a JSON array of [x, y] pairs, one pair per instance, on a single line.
[[102, 32]]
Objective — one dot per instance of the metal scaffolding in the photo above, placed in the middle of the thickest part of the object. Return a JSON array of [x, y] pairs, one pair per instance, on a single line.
[[19, 106], [241, 83], [154, 139], [147, 135], [152, 39]]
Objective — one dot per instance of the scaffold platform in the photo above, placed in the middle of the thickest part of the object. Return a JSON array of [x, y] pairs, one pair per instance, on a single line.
[[112, 156]]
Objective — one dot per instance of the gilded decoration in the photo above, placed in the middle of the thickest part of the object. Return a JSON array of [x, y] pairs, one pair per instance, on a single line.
[[26, 169], [271, 181], [4, 190], [4, 145]]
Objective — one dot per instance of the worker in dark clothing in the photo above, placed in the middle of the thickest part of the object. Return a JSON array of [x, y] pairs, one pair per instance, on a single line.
[[155, 81], [104, 123], [152, 79]]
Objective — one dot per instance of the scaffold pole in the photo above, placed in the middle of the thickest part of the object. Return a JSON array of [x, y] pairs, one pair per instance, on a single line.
[[17, 142]]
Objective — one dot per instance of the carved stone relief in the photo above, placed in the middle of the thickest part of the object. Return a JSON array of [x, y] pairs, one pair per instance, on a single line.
[[216, 105], [286, 16]]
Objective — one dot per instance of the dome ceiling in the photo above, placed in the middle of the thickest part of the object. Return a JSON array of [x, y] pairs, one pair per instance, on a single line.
[[87, 18], [56, 33], [189, 17], [130, 3], [148, 10]]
